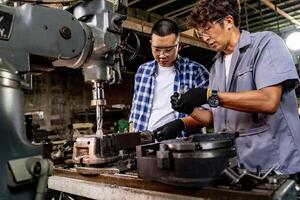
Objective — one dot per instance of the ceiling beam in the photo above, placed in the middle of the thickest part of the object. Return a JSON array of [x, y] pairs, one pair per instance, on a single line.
[[133, 2], [160, 5], [253, 17], [188, 7], [283, 23], [267, 21], [182, 12], [281, 12]]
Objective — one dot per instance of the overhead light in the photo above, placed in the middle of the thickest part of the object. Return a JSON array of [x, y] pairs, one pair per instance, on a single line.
[[293, 40]]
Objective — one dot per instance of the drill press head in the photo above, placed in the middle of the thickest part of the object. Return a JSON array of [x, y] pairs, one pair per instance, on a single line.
[[105, 60]]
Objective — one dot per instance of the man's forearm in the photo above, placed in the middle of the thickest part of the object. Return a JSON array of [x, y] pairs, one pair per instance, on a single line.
[[198, 118], [265, 100]]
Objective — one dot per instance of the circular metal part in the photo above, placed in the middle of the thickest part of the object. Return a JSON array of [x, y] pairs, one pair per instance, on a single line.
[[101, 102], [37, 168], [215, 144], [184, 146], [65, 32], [9, 83], [194, 146], [229, 152], [9, 79]]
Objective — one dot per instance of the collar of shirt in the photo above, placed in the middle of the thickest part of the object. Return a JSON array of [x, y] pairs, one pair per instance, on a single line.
[[153, 70], [245, 41]]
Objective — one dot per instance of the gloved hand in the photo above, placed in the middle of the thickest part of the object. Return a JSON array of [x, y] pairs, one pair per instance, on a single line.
[[185, 103], [169, 131]]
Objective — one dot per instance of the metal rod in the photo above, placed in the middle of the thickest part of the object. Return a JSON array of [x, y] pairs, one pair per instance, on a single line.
[[99, 99]]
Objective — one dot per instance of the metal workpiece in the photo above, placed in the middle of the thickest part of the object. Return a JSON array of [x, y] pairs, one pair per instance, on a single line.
[[90, 150], [95, 151]]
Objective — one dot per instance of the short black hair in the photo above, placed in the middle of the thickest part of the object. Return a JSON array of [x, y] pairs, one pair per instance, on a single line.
[[165, 27]]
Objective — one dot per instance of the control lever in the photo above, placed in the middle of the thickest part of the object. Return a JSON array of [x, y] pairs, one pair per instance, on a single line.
[[238, 177]]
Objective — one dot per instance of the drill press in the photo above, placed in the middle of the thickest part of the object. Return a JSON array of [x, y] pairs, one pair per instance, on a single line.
[[88, 36], [102, 68]]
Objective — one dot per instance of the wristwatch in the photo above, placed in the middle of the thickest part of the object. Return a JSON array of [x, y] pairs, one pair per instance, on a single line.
[[213, 99]]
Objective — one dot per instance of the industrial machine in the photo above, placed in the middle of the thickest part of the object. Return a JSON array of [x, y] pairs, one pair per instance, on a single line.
[[208, 161], [189, 162], [85, 35]]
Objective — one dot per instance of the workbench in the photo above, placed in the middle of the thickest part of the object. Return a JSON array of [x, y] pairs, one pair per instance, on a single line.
[[130, 187]]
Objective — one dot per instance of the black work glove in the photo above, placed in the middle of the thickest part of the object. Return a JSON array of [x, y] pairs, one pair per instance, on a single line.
[[185, 103], [169, 131]]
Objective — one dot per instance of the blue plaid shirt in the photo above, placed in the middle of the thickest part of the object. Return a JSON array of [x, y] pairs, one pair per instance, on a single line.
[[189, 74]]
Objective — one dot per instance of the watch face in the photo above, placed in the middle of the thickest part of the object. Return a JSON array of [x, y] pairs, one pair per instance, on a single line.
[[213, 101]]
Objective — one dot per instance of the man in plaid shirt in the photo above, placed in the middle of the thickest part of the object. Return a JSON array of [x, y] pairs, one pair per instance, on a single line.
[[157, 80]]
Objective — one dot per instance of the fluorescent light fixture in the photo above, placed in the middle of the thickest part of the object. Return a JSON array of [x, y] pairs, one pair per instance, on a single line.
[[293, 40]]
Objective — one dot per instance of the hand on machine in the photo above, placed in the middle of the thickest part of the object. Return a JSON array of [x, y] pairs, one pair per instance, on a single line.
[[169, 131]]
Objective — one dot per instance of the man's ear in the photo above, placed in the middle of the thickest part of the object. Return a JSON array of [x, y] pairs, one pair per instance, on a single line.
[[228, 21], [180, 45], [150, 41]]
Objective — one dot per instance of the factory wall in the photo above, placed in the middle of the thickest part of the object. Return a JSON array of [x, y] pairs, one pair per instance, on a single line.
[[57, 95]]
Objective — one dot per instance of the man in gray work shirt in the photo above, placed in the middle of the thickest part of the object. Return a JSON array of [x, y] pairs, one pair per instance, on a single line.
[[251, 90]]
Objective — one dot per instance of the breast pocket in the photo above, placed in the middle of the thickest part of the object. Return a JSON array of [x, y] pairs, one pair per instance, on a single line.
[[244, 79], [256, 147]]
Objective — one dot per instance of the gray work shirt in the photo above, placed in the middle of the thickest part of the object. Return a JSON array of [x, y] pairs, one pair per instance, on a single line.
[[266, 140]]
